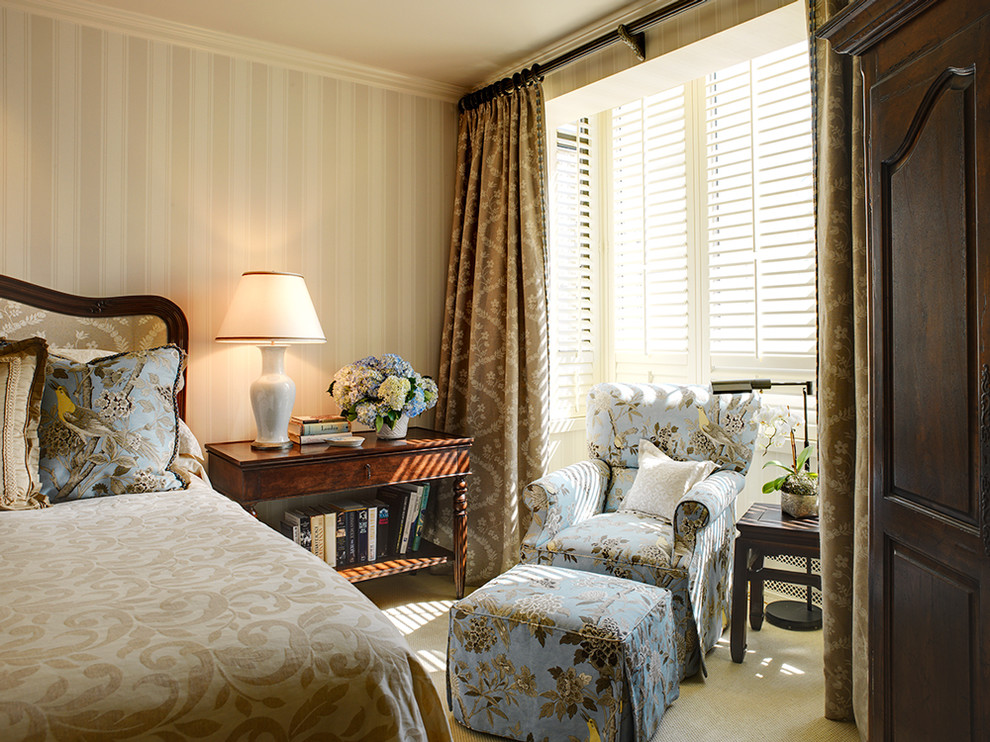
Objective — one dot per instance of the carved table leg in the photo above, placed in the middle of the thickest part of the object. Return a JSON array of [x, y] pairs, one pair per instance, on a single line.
[[460, 535], [740, 587], [756, 593]]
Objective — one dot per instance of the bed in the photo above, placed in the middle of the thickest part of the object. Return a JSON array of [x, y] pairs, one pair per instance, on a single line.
[[169, 614]]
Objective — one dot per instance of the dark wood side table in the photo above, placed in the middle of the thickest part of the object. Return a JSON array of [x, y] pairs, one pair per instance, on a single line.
[[248, 477], [765, 531]]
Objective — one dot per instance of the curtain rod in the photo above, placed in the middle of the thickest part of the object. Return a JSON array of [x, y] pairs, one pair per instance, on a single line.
[[631, 34]]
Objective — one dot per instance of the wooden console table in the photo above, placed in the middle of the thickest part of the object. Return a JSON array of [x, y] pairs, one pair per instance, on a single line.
[[765, 531], [248, 477]]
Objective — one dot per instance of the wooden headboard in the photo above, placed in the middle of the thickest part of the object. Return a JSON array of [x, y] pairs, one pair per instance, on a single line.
[[138, 327]]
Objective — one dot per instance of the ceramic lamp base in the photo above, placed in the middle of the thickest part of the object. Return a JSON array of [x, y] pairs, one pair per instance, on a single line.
[[261, 446], [272, 396]]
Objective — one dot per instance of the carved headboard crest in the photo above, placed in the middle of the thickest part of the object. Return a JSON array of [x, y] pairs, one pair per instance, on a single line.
[[117, 323]]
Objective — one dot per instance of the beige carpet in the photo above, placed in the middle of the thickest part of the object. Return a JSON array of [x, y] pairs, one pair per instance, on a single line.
[[775, 694]]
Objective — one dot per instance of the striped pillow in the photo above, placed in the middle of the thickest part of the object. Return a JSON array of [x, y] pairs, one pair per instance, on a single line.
[[22, 384]]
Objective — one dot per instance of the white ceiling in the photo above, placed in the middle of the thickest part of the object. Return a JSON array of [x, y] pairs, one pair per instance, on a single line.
[[457, 42]]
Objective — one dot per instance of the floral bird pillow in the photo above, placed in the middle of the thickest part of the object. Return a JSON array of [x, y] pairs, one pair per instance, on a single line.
[[110, 426]]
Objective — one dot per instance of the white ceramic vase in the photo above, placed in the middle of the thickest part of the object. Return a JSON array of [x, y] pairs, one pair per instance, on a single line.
[[394, 433]]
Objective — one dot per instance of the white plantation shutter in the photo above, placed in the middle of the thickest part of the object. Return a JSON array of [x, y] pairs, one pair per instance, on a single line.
[[705, 194], [650, 227], [760, 220], [572, 316], [731, 245], [628, 245]]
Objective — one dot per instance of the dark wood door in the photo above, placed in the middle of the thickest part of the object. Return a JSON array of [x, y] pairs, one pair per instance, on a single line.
[[927, 70]]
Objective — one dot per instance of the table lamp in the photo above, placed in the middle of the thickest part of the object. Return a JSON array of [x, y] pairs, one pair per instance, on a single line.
[[271, 310]]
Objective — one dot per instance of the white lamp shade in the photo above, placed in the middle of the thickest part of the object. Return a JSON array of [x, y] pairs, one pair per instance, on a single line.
[[271, 307]]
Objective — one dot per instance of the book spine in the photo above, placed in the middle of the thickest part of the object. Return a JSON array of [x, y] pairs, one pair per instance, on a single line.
[[289, 530], [372, 516], [418, 532], [362, 528], [303, 440], [351, 537], [400, 525], [412, 510], [307, 419], [341, 538], [330, 534], [319, 428], [305, 535], [317, 541], [383, 513], [395, 498]]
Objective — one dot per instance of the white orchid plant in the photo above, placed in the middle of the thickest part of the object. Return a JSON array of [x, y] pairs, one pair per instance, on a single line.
[[777, 420], [378, 391]]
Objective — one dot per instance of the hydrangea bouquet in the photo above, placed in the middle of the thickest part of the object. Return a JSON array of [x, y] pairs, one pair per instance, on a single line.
[[379, 391]]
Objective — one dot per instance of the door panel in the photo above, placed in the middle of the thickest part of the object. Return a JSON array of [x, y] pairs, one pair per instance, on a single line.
[[926, 74], [928, 607], [929, 283], [924, 595]]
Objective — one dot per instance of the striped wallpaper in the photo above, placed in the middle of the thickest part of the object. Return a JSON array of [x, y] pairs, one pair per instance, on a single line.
[[129, 165]]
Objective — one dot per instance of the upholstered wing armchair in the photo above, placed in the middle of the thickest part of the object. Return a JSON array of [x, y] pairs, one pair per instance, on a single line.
[[578, 519]]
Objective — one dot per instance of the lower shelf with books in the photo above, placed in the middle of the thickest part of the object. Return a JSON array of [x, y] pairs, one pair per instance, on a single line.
[[382, 528], [429, 555]]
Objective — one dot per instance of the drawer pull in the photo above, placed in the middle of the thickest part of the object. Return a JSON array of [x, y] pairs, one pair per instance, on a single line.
[[367, 469]]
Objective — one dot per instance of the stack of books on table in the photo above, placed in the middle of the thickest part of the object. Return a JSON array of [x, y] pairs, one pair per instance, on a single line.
[[361, 530], [319, 429]]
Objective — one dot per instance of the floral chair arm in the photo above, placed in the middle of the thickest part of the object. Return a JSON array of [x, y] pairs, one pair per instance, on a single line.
[[565, 497], [704, 532], [704, 504]]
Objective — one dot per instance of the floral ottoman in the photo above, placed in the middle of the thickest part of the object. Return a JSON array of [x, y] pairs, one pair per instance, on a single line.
[[545, 653]]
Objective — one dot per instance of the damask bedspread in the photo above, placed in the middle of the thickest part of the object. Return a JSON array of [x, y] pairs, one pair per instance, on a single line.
[[177, 615]]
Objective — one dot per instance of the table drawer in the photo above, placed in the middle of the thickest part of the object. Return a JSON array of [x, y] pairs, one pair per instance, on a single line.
[[316, 477]]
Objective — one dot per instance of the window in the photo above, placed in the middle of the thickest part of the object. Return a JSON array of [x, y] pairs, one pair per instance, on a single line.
[[573, 335], [760, 212], [682, 243], [650, 226]]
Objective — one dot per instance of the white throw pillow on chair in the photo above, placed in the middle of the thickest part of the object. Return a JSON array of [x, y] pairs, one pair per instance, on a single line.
[[662, 481]]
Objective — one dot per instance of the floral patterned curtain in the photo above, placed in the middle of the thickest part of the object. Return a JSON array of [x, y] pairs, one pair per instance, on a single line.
[[842, 376], [494, 364]]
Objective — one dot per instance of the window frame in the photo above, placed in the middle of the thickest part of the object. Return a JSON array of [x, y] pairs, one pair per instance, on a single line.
[[701, 364]]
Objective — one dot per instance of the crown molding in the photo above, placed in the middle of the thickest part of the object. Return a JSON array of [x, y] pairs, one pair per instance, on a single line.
[[156, 29]]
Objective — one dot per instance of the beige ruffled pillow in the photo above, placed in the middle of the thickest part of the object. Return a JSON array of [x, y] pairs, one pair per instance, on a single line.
[[22, 384], [661, 481], [190, 460]]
